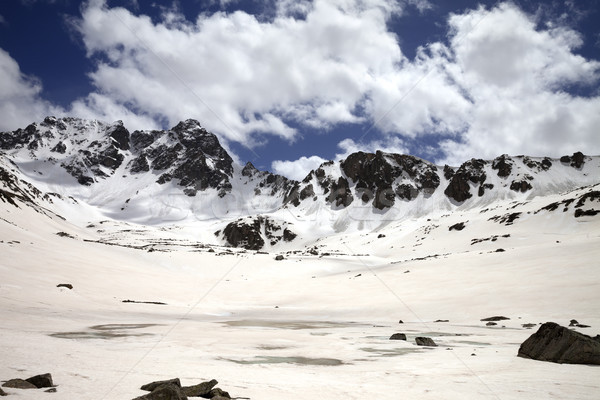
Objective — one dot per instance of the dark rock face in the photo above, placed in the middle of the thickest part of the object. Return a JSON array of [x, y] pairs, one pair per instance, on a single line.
[[3, 393], [199, 390], [247, 233], [425, 341], [340, 194], [19, 384], [374, 176], [459, 187], [576, 160], [558, 344], [120, 136], [520, 185], [59, 148], [398, 336], [41, 381], [544, 165], [503, 164]]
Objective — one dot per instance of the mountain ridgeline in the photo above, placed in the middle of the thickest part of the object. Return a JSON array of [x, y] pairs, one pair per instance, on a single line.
[[145, 176]]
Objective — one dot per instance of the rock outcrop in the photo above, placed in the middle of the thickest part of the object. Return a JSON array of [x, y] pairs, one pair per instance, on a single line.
[[559, 344], [253, 233]]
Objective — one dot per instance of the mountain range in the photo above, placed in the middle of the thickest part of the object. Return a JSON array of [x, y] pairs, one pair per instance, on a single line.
[[77, 168]]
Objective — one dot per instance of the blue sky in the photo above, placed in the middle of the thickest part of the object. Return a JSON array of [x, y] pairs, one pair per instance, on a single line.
[[289, 84]]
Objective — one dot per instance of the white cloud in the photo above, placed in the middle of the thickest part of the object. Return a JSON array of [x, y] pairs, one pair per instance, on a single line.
[[20, 101], [515, 75], [297, 169], [501, 83], [3, 20], [240, 75]]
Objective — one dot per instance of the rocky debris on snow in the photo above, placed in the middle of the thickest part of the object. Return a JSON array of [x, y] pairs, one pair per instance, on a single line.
[[65, 234], [528, 325], [160, 303], [172, 390], [425, 341], [3, 393], [577, 324], [506, 219], [248, 232], [495, 318], [457, 227], [441, 320], [522, 185], [65, 285], [559, 344], [491, 324], [398, 336], [279, 257], [492, 238]]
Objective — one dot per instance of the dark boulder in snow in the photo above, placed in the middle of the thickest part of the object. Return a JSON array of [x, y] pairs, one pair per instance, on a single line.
[[398, 336], [252, 233], [164, 392], [457, 227], [199, 390], [558, 344], [495, 318], [41, 381], [425, 341], [19, 384], [153, 385]]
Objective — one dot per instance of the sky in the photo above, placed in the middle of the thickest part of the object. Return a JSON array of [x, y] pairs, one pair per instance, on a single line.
[[289, 84]]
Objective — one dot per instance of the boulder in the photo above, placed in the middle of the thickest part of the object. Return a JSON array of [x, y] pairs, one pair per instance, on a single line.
[[496, 318], [153, 385], [168, 391], [457, 227], [398, 336], [425, 341], [65, 285], [559, 344], [43, 380], [218, 393], [19, 384], [199, 390], [279, 257]]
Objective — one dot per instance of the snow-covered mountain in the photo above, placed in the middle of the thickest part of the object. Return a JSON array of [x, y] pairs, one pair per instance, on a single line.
[[130, 257], [183, 175]]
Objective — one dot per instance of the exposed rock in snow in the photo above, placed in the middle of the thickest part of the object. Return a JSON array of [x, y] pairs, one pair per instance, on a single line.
[[558, 344]]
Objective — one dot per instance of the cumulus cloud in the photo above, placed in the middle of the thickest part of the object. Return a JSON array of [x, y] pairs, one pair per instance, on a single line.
[[503, 81], [20, 101], [297, 169], [241, 76], [517, 77]]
